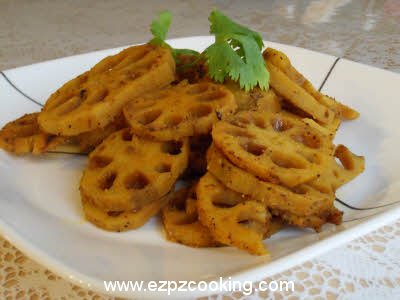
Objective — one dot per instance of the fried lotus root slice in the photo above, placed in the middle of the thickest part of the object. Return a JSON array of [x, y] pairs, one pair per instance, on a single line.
[[232, 218], [126, 172], [281, 64], [279, 148], [302, 201], [121, 220], [181, 222], [180, 111], [338, 174], [24, 136], [256, 99], [333, 216], [88, 141], [93, 99]]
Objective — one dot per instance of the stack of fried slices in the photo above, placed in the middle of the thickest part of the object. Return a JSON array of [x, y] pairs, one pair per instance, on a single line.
[[253, 161]]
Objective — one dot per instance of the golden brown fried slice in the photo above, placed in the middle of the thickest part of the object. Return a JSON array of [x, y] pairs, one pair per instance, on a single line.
[[254, 99], [95, 98], [296, 95], [279, 148], [121, 220], [337, 174], [233, 219], [180, 111], [88, 141], [333, 216], [181, 222], [190, 68], [126, 172], [23, 136], [302, 200], [282, 62]]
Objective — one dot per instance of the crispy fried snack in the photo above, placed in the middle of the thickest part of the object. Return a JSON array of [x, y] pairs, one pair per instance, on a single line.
[[332, 215], [284, 76], [126, 172], [279, 148], [181, 222], [302, 200], [303, 206], [180, 111], [88, 141], [255, 99], [337, 174], [95, 98], [232, 218], [121, 220], [23, 136]]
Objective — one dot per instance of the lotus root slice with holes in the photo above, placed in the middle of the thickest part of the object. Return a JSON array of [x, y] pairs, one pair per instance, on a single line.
[[314, 101], [122, 220], [23, 136], [277, 147], [92, 100], [181, 222], [301, 201], [232, 218], [126, 172], [180, 111]]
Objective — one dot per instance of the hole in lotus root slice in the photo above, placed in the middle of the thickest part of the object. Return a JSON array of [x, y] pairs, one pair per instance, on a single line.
[[95, 97], [198, 88], [201, 110], [98, 162], [308, 139], [253, 148], [136, 181], [238, 132], [127, 135], [288, 161], [280, 125], [259, 122], [172, 147], [173, 120], [107, 180], [149, 116], [211, 96], [163, 168], [221, 200]]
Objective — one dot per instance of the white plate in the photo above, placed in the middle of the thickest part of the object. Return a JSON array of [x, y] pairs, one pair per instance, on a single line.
[[40, 209]]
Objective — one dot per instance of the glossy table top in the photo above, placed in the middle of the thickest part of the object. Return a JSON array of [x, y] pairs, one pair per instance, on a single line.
[[366, 31]]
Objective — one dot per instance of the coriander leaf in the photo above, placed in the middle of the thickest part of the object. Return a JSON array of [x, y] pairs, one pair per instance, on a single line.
[[221, 25], [160, 26], [177, 52], [236, 53]]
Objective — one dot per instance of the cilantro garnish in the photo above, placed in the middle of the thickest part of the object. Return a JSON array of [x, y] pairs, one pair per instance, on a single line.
[[236, 52], [159, 28]]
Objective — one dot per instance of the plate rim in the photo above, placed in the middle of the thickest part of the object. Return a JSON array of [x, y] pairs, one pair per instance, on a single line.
[[254, 273]]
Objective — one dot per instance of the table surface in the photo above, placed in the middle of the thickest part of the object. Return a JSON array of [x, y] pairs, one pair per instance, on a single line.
[[366, 31]]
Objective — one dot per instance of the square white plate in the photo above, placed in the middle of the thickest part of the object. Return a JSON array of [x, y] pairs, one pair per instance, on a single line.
[[40, 209]]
